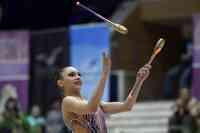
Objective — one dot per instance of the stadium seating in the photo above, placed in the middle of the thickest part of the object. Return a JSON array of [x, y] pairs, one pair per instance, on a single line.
[[146, 117]]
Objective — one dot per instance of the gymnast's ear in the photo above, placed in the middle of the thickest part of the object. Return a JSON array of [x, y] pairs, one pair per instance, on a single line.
[[60, 83]]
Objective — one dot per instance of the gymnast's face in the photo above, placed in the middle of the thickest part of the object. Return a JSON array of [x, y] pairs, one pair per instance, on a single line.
[[71, 79]]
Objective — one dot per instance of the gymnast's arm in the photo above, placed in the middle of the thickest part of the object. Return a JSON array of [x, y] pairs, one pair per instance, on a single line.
[[116, 107], [73, 104]]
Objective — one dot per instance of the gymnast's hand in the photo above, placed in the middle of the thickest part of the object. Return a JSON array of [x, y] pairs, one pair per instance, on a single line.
[[106, 63], [143, 73]]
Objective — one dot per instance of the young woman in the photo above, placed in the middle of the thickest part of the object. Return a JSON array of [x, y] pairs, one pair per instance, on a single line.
[[84, 116]]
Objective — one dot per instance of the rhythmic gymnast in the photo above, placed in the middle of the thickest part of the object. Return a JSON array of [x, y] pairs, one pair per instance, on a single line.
[[84, 116]]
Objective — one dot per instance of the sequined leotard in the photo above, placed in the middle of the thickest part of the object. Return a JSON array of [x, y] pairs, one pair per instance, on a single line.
[[94, 122]]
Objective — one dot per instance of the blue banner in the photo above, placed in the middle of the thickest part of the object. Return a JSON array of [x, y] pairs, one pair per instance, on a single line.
[[87, 42]]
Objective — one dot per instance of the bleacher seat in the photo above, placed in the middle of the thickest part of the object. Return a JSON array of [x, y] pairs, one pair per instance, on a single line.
[[146, 117]]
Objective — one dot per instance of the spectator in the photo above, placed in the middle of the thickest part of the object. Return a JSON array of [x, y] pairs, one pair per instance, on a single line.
[[13, 119], [183, 120], [35, 120], [195, 111], [185, 96], [7, 91], [182, 71], [54, 121]]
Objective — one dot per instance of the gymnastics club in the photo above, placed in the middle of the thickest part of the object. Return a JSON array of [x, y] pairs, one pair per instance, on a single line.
[[118, 27], [157, 49]]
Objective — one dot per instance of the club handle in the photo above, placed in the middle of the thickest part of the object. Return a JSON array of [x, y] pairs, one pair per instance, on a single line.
[[151, 59], [118, 27]]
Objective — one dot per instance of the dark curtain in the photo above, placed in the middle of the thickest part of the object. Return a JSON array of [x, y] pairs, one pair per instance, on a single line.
[[48, 53]]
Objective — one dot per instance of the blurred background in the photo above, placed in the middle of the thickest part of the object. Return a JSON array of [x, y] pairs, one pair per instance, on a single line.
[[38, 36]]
